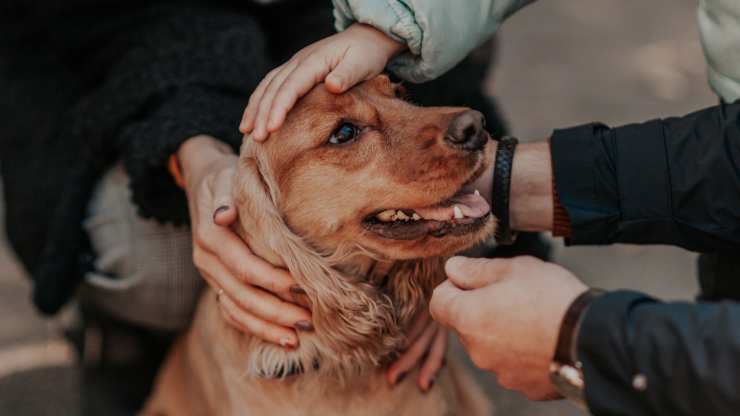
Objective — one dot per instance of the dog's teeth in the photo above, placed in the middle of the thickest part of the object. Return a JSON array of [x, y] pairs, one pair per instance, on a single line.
[[477, 193], [458, 213], [387, 215], [402, 215], [416, 217]]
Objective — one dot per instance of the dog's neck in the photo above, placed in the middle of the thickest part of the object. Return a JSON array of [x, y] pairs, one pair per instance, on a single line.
[[362, 268]]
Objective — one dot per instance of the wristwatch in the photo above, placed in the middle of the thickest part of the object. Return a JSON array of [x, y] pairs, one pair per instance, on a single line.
[[566, 371]]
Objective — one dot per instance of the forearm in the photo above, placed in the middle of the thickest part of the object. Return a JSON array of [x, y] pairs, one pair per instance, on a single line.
[[668, 181], [641, 356], [672, 181]]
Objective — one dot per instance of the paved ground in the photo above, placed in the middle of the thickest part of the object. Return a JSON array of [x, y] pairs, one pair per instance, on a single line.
[[562, 63]]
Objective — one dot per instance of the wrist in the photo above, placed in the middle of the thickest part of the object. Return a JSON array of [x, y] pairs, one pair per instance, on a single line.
[[531, 203], [388, 45], [198, 153], [566, 372]]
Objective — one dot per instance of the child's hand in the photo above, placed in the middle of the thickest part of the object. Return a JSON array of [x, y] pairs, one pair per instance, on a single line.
[[341, 61]]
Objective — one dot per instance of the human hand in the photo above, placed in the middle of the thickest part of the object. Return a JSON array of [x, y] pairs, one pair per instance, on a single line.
[[508, 313], [257, 297], [426, 346], [341, 61]]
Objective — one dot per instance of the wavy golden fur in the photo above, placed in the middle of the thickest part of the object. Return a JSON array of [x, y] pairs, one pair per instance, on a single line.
[[301, 206]]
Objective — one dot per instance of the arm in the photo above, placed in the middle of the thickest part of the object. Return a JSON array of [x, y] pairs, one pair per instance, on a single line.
[[639, 356], [438, 34], [719, 28], [688, 355], [673, 181]]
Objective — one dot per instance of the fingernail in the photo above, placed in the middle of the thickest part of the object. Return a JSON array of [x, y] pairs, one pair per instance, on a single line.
[[287, 343], [295, 289], [430, 385], [400, 378], [303, 326], [219, 210]]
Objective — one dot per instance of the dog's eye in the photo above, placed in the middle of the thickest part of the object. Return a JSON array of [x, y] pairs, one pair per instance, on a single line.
[[345, 133]]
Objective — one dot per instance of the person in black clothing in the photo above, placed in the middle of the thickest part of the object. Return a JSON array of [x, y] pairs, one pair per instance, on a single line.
[[673, 181]]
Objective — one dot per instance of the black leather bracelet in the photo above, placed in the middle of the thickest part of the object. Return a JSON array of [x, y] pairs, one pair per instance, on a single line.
[[502, 189]]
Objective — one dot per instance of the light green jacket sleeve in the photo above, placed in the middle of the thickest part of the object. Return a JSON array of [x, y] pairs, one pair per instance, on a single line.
[[439, 33], [719, 26]]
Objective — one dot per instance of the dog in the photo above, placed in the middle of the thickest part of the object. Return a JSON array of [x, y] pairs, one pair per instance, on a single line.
[[361, 196]]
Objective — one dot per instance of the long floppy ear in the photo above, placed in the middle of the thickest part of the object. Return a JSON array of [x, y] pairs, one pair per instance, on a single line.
[[354, 324]]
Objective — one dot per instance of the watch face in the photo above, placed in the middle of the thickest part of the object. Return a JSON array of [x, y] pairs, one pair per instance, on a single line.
[[568, 381]]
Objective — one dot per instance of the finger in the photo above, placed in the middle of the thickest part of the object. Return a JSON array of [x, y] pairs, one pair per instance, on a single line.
[[247, 267], [445, 303], [247, 123], [421, 320], [263, 113], [299, 82], [258, 302], [251, 324], [225, 212], [410, 358], [434, 361], [346, 74], [472, 273]]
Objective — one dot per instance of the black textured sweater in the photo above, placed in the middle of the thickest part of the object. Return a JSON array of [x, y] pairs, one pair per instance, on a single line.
[[84, 84]]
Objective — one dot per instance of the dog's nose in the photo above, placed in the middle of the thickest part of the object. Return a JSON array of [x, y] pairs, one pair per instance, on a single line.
[[466, 131]]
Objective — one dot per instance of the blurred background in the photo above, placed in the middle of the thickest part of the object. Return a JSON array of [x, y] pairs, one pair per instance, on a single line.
[[560, 63]]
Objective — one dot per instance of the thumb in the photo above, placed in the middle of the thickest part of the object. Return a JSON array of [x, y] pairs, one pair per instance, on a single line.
[[445, 303], [225, 212], [346, 74], [473, 273]]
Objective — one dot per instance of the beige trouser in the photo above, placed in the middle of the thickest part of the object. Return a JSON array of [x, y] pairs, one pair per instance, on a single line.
[[144, 270]]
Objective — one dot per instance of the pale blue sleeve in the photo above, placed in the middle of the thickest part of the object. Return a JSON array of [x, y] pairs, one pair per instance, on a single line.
[[438, 33], [719, 26]]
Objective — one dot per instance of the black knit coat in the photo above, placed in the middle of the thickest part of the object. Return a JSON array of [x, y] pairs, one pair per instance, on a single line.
[[85, 84]]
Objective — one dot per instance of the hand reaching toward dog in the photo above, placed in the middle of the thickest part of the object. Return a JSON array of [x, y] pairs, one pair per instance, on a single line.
[[341, 61], [256, 297], [486, 302]]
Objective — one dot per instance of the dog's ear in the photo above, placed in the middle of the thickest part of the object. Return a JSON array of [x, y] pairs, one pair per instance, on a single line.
[[354, 323]]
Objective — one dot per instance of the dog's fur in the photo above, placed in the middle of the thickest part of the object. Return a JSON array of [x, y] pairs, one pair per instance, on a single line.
[[301, 206]]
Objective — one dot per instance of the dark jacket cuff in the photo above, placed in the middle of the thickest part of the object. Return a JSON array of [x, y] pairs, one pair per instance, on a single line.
[[607, 179], [150, 143]]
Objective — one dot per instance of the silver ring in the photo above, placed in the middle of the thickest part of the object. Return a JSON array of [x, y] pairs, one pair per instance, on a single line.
[[218, 295]]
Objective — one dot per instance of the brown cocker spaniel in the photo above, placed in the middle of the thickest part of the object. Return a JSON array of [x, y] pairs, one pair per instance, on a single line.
[[361, 196]]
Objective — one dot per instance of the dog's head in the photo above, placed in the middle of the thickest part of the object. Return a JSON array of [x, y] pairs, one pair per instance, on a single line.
[[358, 180]]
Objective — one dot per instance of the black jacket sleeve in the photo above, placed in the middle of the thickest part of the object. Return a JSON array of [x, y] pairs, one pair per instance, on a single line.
[[186, 73], [687, 355], [671, 181]]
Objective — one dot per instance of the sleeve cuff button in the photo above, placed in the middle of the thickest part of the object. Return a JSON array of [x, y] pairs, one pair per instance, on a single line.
[[639, 382]]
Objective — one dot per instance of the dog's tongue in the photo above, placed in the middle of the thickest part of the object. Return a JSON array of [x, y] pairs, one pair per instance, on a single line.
[[471, 205]]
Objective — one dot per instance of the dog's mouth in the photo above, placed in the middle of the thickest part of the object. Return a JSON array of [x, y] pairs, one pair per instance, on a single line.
[[463, 213]]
